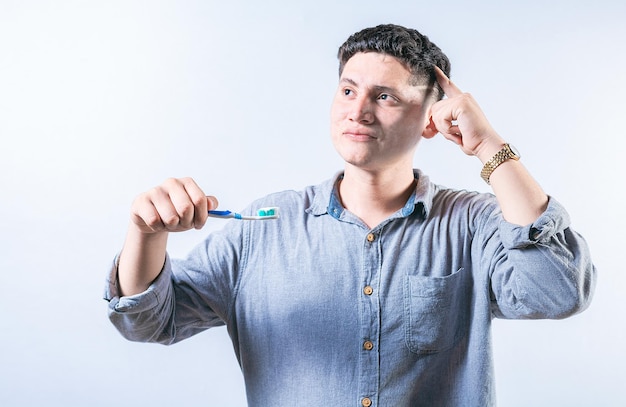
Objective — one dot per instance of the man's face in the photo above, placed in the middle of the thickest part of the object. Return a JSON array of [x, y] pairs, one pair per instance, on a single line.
[[377, 117]]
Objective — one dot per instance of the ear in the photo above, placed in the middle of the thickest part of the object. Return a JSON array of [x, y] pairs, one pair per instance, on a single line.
[[430, 130]]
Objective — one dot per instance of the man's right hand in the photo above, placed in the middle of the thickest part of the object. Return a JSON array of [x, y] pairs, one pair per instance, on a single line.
[[174, 206]]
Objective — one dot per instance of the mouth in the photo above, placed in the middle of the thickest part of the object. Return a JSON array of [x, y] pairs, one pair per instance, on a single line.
[[358, 135]]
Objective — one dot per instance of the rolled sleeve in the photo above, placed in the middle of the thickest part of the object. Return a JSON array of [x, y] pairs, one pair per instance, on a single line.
[[545, 270], [553, 220], [146, 308]]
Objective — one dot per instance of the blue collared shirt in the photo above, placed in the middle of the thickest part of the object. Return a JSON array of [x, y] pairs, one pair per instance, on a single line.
[[322, 310]]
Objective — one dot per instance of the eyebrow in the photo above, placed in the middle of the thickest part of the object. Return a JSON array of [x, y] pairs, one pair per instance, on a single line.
[[378, 88], [381, 88]]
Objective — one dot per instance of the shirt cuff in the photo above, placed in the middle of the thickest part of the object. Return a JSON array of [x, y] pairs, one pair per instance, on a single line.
[[154, 294], [553, 220]]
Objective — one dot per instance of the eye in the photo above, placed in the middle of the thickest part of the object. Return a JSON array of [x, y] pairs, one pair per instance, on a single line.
[[387, 98], [347, 92]]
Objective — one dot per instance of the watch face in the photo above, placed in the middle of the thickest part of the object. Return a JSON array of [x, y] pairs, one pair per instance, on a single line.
[[514, 151]]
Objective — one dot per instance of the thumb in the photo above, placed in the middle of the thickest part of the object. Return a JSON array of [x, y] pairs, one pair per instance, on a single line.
[[212, 202]]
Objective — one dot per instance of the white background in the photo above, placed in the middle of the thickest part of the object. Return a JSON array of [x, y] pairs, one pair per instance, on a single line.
[[101, 100]]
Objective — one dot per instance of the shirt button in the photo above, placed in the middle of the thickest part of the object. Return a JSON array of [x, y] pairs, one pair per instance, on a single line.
[[368, 345], [371, 237], [366, 402], [534, 233], [367, 290]]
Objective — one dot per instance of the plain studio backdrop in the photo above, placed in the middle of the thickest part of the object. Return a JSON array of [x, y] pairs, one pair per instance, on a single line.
[[101, 100]]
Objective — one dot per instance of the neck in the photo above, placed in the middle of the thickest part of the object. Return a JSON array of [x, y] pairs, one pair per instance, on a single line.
[[374, 196]]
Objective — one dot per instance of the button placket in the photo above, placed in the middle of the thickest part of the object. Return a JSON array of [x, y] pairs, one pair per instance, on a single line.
[[370, 319]]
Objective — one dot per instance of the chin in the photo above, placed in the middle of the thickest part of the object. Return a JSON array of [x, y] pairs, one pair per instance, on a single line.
[[354, 157], [364, 163]]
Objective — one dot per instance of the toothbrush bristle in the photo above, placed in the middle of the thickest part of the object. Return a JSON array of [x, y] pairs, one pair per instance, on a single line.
[[267, 212]]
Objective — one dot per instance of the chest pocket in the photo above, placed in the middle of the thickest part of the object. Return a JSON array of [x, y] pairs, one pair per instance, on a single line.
[[436, 311]]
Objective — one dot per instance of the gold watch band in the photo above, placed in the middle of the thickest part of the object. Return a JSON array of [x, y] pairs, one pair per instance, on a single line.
[[508, 152]]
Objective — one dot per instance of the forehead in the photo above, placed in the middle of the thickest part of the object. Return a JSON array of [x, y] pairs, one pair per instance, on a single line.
[[365, 67], [376, 70]]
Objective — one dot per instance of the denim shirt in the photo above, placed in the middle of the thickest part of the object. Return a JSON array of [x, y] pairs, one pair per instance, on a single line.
[[322, 310]]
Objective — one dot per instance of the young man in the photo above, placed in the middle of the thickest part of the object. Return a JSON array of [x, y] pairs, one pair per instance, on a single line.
[[375, 287]]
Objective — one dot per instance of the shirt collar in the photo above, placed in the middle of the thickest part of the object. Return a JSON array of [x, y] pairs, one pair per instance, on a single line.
[[326, 198]]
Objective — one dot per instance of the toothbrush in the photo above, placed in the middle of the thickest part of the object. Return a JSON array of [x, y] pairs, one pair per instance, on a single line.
[[262, 214]]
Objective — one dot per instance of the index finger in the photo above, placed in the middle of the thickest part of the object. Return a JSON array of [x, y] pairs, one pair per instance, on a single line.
[[449, 88], [201, 202]]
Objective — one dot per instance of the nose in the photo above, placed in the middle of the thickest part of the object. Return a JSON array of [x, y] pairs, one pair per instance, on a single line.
[[361, 110]]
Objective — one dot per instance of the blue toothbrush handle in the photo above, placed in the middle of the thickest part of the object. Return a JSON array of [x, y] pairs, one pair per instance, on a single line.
[[220, 213], [263, 214]]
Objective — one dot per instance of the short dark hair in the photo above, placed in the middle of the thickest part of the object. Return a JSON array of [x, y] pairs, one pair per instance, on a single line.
[[411, 48]]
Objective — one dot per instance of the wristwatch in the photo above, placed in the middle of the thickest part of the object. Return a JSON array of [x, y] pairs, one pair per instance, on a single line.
[[508, 152]]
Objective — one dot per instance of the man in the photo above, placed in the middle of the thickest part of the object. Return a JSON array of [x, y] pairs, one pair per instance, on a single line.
[[375, 287]]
